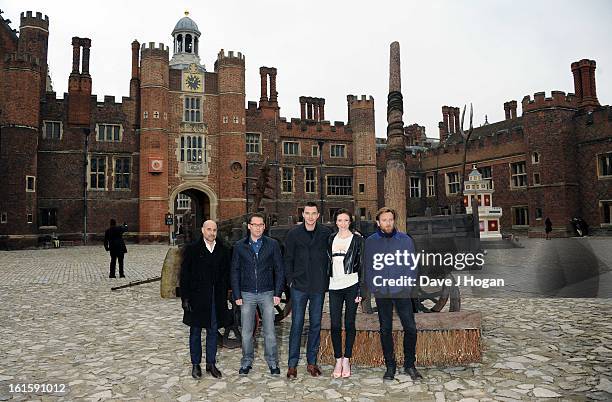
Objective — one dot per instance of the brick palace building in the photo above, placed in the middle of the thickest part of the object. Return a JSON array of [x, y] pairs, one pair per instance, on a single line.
[[183, 143]]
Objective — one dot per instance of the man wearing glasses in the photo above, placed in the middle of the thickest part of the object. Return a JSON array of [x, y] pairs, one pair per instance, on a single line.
[[258, 277]]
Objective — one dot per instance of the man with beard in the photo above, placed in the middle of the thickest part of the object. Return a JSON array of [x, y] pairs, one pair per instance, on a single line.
[[385, 242]]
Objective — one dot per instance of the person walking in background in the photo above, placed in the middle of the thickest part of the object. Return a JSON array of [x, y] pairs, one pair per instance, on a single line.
[[204, 283], [345, 250], [547, 228], [113, 242], [258, 278], [306, 264]]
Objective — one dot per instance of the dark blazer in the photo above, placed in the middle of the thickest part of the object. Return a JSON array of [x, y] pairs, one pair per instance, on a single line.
[[257, 274], [202, 270], [306, 260], [353, 260], [113, 239]]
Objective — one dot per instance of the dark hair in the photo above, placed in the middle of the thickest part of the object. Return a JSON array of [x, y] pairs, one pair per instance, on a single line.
[[343, 211], [113, 222], [256, 215], [312, 204], [384, 210]]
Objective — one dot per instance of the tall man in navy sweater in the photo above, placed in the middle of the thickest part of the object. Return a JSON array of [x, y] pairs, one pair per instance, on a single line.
[[258, 279], [306, 270], [390, 274]]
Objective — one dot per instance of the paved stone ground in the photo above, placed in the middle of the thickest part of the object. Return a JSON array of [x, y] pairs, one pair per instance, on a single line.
[[60, 323]]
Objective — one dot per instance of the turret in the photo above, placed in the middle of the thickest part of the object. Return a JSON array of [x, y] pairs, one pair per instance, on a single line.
[[34, 40], [153, 191], [23, 82], [232, 127], [361, 121]]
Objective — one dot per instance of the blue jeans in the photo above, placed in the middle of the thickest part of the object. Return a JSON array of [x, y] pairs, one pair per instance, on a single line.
[[195, 340], [298, 311], [265, 302]]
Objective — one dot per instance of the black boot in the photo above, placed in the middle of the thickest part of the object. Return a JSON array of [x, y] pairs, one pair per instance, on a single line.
[[213, 370], [196, 371], [390, 373], [413, 373]]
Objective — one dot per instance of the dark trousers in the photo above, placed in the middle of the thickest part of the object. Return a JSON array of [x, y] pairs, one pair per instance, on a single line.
[[195, 340], [385, 318], [299, 300], [114, 258], [337, 299]]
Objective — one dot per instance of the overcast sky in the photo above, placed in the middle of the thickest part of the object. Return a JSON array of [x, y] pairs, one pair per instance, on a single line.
[[453, 52]]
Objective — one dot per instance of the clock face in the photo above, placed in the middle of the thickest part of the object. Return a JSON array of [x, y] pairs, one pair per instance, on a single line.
[[193, 82]]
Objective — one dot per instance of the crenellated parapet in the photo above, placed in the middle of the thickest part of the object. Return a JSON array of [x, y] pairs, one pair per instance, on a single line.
[[152, 50], [29, 19], [558, 99], [300, 128], [230, 59], [360, 102]]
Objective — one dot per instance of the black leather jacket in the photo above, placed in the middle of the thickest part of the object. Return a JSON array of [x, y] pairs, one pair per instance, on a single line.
[[353, 260]]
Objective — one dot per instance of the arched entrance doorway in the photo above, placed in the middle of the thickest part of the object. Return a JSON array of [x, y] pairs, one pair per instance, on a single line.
[[191, 205]]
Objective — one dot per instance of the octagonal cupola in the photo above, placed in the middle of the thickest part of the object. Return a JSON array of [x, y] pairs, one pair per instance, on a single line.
[[186, 39]]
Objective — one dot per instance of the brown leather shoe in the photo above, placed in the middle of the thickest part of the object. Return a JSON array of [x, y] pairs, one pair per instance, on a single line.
[[314, 370], [292, 373]]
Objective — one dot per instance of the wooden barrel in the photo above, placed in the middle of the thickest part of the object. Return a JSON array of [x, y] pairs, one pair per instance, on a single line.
[[170, 273]]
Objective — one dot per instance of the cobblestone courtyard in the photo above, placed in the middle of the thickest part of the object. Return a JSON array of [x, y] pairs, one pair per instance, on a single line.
[[61, 324]]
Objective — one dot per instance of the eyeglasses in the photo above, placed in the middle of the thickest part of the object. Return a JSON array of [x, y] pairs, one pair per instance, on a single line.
[[257, 225]]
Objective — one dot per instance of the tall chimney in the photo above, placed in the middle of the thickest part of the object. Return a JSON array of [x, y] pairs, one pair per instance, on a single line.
[[264, 84], [86, 43], [445, 125], [135, 59], [456, 112], [507, 110], [322, 111], [512, 104], [76, 54], [302, 107], [273, 93], [584, 83]]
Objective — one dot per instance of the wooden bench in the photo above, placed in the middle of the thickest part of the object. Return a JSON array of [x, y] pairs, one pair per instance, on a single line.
[[67, 243], [443, 339]]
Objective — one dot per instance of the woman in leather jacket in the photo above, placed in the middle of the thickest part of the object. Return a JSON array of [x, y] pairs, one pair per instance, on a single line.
[[345, 251]]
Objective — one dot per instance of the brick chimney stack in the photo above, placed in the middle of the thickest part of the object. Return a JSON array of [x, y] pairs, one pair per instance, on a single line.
[[457, 120], [584, 83], [79, 84], [510, 109], [312, 108]]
